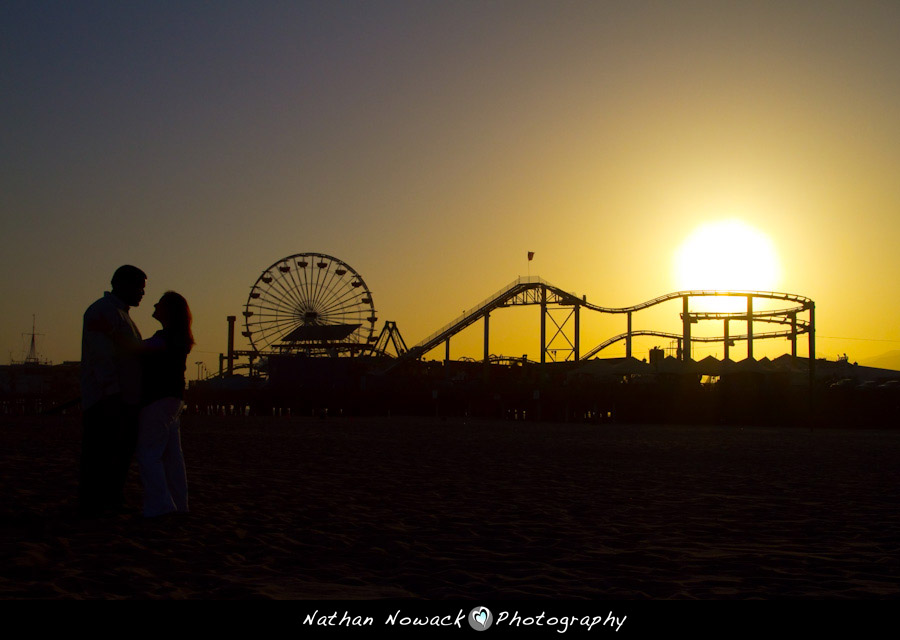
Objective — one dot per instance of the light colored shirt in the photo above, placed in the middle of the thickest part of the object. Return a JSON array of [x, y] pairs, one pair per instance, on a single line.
[[109, 353]]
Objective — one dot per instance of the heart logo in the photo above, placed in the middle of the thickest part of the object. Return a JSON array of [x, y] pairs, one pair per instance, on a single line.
[[480, 618]]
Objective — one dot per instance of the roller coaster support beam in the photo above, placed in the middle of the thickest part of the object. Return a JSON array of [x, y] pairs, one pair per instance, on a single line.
[[543, 324], [812, 343], [749, 326], [793, 338], [628, 339], [727, 339], [563, 341], [686, 329], [577, 345], [447, 351], [487, 319]]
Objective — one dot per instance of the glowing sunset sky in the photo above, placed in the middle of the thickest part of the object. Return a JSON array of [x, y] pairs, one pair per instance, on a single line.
[[430, 145]]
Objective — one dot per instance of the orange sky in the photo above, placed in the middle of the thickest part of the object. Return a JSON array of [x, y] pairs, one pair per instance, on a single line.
[[431, 145]]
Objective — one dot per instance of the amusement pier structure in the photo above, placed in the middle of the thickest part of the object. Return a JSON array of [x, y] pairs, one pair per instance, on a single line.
[[315, 348], [315, 305]]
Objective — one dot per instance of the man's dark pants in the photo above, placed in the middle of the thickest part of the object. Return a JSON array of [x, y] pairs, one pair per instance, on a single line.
[[108, 444]]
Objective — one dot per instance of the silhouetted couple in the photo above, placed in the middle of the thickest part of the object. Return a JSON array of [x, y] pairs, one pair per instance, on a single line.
[[132, 397]]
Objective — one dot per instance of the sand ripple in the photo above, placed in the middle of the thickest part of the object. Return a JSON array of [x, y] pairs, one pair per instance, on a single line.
[[378, 508]]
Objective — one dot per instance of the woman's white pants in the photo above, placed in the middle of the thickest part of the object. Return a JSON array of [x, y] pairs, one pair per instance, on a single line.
[[160, 458]]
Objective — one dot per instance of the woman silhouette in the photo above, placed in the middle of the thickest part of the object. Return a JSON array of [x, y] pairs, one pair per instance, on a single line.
[[159, 453]]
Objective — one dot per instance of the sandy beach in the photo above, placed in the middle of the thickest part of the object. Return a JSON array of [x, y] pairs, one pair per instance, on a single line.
[[370, 508]]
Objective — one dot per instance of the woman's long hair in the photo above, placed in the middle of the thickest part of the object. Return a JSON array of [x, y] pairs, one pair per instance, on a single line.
[[179, 319]]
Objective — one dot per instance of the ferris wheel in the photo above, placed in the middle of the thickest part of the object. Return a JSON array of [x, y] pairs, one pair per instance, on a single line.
[[310, 303]]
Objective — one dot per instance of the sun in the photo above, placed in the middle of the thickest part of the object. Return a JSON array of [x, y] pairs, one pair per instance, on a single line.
[[727, 255]]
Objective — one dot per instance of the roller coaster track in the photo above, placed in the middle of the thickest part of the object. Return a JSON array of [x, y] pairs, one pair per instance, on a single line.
[[784, 316], [534, 290], [499, 299], [676, 336], [803, 301]]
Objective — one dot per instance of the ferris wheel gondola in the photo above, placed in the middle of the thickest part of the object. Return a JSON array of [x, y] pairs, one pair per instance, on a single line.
[[310, 303]]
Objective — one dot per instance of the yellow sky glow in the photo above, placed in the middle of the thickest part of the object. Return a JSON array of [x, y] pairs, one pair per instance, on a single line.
[[636, 148]]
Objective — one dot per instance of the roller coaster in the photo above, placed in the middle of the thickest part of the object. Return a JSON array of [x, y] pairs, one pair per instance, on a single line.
[[563, 338], [312, 304]]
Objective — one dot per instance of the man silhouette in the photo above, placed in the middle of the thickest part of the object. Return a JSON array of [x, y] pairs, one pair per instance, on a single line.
[[110, 393]]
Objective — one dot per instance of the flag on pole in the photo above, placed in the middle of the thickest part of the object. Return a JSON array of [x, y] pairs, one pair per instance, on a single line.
[[530, 256]]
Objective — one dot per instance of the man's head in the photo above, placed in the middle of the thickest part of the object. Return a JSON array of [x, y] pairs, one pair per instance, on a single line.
[[128, 284]]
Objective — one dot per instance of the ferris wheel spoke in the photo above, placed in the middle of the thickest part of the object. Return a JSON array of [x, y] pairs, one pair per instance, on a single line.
[[281, 326], [320, 288], [336, 284], [332, 282], [335, 299], [279, 320], [345, 289], [311, 276], [283, 311], [288, 292], [270, 335], [273, 332], [347, 300], [303, 288], [277, 302], [309, 292], [275, 296], [325, 289], [313, 280], [269, 283], [289, 297], [270, 327], [346, 307], [356, 305], [298, 276], [288, 281]]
